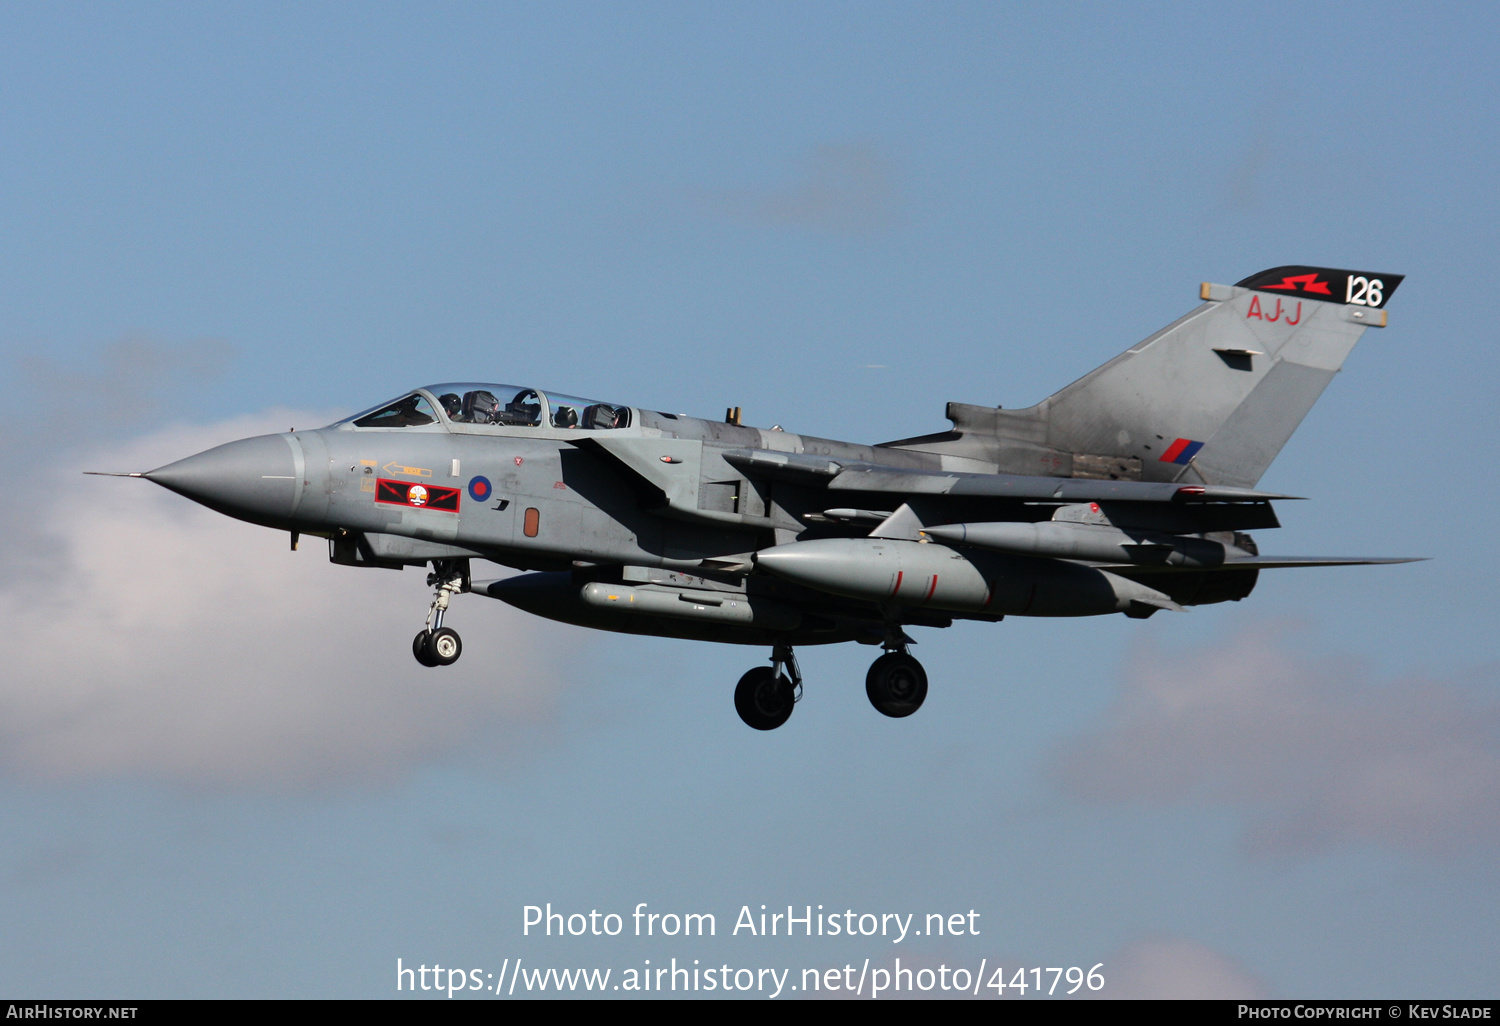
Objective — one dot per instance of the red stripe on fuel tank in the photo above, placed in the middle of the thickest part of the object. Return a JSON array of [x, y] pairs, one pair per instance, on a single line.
[[931, 589], [898, 583]]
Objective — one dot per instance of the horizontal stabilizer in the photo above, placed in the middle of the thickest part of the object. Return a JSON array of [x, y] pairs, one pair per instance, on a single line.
[[1155, 600]]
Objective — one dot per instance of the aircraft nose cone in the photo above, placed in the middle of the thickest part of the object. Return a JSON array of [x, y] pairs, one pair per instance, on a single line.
[[255, 479]]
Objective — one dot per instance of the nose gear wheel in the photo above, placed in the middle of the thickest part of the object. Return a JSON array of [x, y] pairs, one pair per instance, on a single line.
[[436, 645], [419, 648], [444, 646]]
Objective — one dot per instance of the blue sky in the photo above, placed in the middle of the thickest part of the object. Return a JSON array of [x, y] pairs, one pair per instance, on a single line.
[[222, 774]]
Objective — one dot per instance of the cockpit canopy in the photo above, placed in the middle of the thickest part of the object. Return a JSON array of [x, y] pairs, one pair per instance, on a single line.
[[490, 404], [487, 404]]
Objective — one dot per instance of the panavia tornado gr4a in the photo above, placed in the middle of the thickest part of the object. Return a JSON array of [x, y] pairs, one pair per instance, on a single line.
[[1130, 491]]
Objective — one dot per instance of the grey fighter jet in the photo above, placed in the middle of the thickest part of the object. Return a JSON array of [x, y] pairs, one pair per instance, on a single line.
[[1130, 491]]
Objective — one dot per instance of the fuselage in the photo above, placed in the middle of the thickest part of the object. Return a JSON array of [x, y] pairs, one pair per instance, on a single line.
[[1128, 491], [525, 495]]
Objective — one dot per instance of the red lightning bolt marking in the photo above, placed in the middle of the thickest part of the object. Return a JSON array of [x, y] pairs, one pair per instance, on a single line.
[[1305, 282]]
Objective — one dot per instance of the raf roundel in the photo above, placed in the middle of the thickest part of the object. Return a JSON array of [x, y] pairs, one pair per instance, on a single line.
[[479, 488]]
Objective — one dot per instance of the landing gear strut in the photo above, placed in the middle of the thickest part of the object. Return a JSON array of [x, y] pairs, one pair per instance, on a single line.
[[896, 683], [436, 645], [765, 696]]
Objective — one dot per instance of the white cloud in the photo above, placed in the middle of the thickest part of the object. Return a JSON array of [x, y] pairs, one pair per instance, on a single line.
[[169, 641], [1316, 753], [1176, 969]]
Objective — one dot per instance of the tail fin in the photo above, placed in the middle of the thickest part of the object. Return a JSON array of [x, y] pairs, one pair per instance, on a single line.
[[1209, 399]]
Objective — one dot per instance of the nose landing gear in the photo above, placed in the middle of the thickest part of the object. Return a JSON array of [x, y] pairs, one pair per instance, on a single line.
[[765, 696], [436, 645], [896, 683]]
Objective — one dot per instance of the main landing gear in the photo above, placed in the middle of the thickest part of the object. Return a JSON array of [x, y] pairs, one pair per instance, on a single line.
[[896, 685], [765, 696], [436, 645]]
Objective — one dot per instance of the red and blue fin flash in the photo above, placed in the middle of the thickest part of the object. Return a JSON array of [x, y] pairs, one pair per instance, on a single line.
[[1181, 451]]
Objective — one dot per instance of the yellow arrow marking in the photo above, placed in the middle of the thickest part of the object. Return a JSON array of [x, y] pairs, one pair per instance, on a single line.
[[396, 468]]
